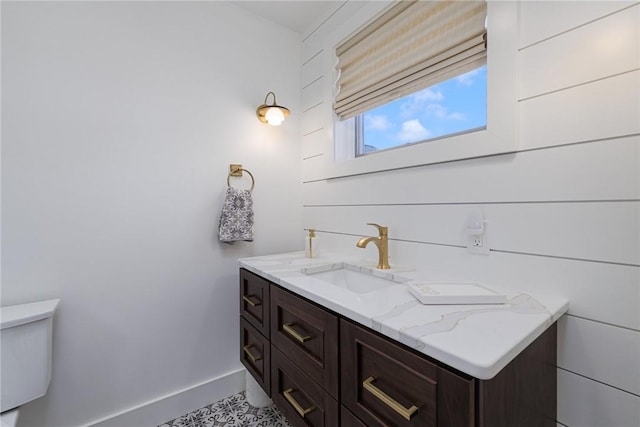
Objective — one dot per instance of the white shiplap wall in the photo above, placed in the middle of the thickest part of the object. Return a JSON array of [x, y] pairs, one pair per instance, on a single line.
[[563, 211]]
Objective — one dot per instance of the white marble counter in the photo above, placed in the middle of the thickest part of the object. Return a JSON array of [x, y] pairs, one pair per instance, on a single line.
[[479, 340]]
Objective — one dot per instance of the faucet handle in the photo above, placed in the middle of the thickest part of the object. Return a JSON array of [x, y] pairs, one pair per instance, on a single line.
[[382, 230]]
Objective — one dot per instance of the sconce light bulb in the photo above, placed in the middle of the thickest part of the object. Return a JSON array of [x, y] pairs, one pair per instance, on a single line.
[[274, 116]]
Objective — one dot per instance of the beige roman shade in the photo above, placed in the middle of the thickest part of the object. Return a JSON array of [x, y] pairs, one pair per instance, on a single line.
[[411, 46]]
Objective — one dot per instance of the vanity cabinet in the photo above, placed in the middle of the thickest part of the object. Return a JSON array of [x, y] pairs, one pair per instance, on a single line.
[[308, 335], [301, 399], [384, 384], [255, 354], [254, 301], [326, 370], [305, 381], [255, 346], [347, 419]]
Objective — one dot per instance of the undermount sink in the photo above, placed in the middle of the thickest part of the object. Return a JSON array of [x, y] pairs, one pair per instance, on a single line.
[[348, 277]]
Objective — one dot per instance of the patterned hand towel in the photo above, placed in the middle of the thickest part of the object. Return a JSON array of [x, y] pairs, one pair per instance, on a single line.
[[236, 219]]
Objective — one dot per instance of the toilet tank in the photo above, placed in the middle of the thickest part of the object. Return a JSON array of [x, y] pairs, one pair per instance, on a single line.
[[25, 342]]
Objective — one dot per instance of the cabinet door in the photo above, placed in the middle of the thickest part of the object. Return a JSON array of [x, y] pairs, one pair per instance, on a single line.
[[347, 419], [308, 335], [254, 300], [384, 384], [302, 400], [255, 354]]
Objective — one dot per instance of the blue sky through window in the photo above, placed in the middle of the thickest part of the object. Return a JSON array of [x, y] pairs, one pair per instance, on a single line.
[[452, 106]]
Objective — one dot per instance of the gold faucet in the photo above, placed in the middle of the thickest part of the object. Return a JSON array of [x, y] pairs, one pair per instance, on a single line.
[[382, 242]]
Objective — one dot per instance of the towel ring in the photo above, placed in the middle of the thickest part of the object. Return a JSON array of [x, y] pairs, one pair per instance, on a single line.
[[253, 181]]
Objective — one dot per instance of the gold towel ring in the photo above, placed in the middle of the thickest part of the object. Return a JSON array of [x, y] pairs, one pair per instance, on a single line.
[[240, 170]]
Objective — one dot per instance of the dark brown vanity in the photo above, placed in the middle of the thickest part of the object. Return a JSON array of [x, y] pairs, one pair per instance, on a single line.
[[322, 369]]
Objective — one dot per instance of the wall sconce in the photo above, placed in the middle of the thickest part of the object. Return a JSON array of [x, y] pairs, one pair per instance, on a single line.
[[272, 114]]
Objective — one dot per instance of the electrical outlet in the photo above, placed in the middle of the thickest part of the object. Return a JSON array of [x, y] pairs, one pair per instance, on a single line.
[[478, 243]]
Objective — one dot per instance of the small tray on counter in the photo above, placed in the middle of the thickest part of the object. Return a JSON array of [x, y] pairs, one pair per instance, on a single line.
[[454, 293]]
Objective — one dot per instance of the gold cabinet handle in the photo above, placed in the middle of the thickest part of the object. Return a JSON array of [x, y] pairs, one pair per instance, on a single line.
[[299, 409], [250, 302], [251, 356], [288, 327], [387, 400]]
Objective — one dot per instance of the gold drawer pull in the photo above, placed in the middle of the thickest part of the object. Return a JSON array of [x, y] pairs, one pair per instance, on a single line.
[[387, 400], [251, 303], [251, 356], [299, 409], [288, 327]]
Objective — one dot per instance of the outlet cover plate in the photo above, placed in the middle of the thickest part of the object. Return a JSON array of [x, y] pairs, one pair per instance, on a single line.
[[478, 243]]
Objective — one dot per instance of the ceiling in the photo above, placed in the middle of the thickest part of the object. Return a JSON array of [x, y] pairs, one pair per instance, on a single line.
[[297, 15]]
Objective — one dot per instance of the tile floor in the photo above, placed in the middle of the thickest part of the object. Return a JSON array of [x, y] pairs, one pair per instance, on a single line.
[[233, 411]]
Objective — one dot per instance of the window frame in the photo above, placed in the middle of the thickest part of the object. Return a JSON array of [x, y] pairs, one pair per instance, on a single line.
[[498, 137]]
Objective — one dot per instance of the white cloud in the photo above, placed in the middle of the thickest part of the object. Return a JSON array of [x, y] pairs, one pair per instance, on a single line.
[[416, 102], [412, 131], [428, 94], [468, 77], [377, 122], [441, 112]]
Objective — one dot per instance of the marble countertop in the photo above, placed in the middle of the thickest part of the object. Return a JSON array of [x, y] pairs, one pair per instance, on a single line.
[[479, 340]]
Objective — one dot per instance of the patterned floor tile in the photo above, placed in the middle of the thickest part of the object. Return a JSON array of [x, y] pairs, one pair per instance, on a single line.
[[233, 411]]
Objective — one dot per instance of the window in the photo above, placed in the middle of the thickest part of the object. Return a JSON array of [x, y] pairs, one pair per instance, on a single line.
[[497, 63], [392, 75], [451, 107]]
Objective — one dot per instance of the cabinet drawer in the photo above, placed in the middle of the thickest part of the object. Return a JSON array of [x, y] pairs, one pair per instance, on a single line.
[[255, 354], [384, 384], [308, 335], [302, 401], [254, 300], [347, 419]]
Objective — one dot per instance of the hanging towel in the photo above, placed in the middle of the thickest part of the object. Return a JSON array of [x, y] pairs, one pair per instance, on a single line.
[[236, 218]]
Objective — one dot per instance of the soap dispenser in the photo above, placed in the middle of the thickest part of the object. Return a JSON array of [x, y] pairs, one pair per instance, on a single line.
[[311, 244]]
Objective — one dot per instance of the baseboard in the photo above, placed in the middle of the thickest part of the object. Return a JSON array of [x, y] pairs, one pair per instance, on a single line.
[[173, 405]]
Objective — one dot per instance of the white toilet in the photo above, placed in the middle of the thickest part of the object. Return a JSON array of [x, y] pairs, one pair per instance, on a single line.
[[25, 340]]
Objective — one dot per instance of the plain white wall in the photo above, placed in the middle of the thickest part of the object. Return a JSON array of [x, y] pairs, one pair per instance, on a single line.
[[120, 120]]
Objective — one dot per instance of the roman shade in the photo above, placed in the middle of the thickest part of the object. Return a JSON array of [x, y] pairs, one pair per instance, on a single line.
[[411, 46]]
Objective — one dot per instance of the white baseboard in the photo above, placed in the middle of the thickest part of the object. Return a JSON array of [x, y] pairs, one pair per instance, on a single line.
[[173, 405]]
